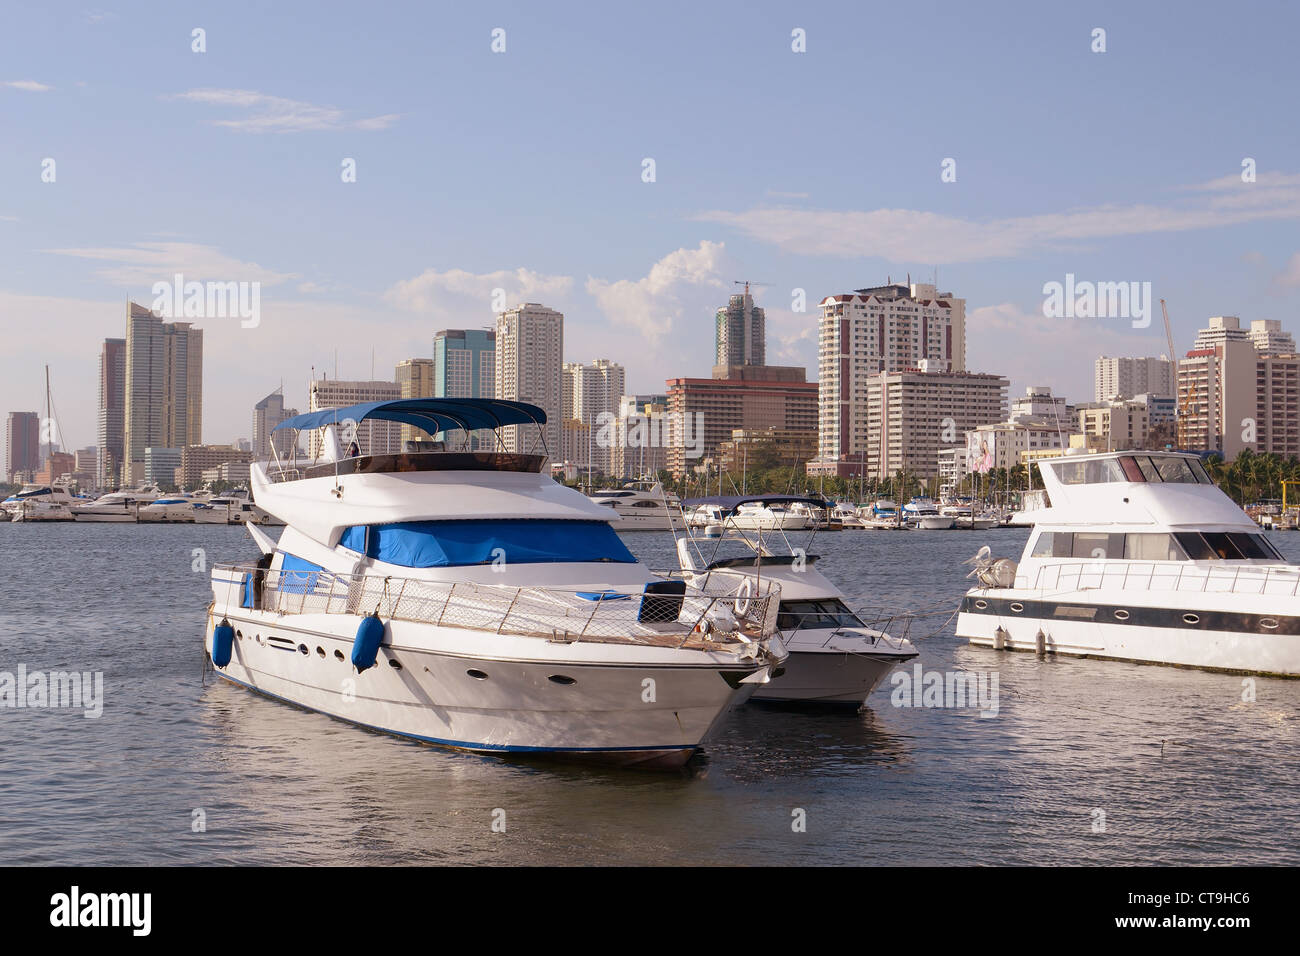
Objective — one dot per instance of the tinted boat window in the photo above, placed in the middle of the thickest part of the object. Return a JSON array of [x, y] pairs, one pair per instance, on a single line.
[[1223, 545], [1175, 470], [1267, 545], [1148, 470], [1042, 546], [1201, 475], [1250, 545], [824, 612], [1195, 546]]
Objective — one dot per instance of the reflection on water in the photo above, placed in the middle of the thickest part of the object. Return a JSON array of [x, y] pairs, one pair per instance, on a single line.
[[1173, 762]]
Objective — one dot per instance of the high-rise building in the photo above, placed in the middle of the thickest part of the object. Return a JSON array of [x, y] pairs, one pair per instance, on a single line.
[[1115, 425], [1218, 397], [161, 466], [267, 442], [1277, 403], [529, 368], [1222, 328], [112, 413], [1125, 377], [22, 445], [740, 335], [373, 436], [591, 395], [907, 416], [640, 436], [414, 378], [1269, 339], [889, 328], [704, 412], [196, 459], [464, 363], [163, 402]]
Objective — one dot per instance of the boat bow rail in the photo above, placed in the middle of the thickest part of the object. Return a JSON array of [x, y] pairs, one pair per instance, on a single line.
[[725, 609], [1282, 581]]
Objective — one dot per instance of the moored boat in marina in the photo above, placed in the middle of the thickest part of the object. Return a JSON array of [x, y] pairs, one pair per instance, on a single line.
[[473, 602], [1141, 557]]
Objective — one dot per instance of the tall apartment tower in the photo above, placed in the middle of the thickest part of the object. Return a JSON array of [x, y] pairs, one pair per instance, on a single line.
[[588, 393], [22, 444], [112, 414], [741, 332], [1269, 339], [1222, 328], [529, 368], [464, 363], [375, 437], [890, 328], [1127, 377], [164, 387], [267, 442]]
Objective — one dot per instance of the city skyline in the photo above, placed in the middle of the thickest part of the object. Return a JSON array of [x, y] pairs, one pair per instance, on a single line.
[[265, 120]]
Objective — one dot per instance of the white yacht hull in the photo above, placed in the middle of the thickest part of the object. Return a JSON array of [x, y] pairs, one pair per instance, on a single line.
[[601, 715], [1199, 632], [933, 523], [822, 677], [105, 517]]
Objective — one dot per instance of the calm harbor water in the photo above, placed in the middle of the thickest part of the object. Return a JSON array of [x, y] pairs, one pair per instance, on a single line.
[[1183, 769]]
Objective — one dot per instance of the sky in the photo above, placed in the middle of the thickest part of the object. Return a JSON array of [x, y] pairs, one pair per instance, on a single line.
[[524, 169]]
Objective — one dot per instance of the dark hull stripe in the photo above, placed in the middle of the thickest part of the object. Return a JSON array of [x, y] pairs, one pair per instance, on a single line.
[[1232, 621]]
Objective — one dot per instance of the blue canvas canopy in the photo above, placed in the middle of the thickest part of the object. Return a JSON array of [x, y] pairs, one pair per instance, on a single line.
[[431, 414], [730, 503]]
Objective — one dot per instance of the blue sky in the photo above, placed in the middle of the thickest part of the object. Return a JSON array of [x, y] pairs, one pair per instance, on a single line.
[[522, 170]]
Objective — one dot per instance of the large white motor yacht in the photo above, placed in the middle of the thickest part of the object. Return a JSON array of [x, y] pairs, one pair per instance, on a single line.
[[642, 506], [836, 658], [38, 494], [922, 514], [754, 513], [1141, 557], [463, 598], [116, 506]]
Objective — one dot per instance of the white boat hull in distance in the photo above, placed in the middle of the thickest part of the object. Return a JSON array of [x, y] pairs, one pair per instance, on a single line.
[[514, 695], [933, 522], [1260, 637], [821, 677]]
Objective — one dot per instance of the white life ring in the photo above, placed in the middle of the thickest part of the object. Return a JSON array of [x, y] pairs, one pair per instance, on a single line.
[[743, 600]]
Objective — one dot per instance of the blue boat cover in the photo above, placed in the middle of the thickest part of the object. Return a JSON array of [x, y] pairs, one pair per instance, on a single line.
[[298, 574], [449, 544], [431, 414]]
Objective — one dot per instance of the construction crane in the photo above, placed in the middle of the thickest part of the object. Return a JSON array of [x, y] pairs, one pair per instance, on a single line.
[[746, 283], [1181, 428], [1169, 334]]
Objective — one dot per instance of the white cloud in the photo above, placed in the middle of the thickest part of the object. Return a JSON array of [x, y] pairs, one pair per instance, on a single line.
[[457, 290], [141, 265], [1289, 277], [30, 86], [276, 114], [910, 235], [671, 289]]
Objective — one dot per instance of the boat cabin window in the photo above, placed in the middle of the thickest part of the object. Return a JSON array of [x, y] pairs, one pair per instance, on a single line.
[[822, 612], [474, 541], [1107, 546], [1134, 468], [1228, 546]]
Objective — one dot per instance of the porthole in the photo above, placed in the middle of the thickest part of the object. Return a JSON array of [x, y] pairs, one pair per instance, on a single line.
[[239, 634], [394, 663], [302, 648], [1121, 615], [981, 604], [320, 651], [1017, 606], [1268, 622], [338, 656], [561, 679], [1191, 619], [477, 675]]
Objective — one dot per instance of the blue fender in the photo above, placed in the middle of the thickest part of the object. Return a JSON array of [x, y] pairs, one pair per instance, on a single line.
[[370, 634], [223, 643]]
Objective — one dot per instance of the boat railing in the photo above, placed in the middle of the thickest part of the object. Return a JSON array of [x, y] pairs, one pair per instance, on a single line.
[[719, 607], [1282, 581]]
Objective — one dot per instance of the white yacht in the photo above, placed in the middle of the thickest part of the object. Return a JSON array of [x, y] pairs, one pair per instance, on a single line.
[[881, 514], [465, 599], [172, 509], [1141, 557], [748, 513], [116, 506], [33, 494], [923, 514], [41, 509], [965, 516], [836, 658], [642, 506], [846, 513]]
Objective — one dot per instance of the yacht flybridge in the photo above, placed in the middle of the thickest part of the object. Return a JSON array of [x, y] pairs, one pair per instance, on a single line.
[[1141, 557], [461, 597], [836, 658]]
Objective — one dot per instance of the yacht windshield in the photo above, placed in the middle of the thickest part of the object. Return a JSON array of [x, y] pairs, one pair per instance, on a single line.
[[821, 612]]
